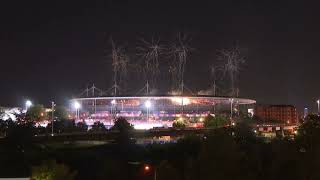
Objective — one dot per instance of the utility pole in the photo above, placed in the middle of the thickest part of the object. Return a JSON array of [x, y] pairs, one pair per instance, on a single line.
[[318, 102], [52, 116], [182, 104], [231, 108]]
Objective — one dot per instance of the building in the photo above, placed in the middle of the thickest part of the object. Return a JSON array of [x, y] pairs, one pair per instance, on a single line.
[[280, 113], [146, 112]]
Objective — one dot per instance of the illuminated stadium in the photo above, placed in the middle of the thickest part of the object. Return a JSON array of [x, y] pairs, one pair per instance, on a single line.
[[149, 111], [146, 112]]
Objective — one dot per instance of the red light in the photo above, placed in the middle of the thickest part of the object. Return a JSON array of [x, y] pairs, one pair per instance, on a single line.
[[146, 168]]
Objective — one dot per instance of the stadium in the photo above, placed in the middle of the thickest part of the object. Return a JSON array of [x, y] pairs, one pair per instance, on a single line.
[[146, 112]]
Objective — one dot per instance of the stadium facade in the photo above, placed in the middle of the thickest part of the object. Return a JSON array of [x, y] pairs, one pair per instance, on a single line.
[[146, 112]]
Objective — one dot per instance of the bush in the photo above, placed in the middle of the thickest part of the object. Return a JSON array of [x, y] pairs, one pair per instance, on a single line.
[[179, 123], [51, 170], [36, 113], [215, 121], [98, 127], [122, 124]]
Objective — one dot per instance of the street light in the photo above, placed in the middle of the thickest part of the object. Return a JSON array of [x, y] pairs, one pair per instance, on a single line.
[[147, 169], [52, 118], [77, 106], [148, 105], [28, 104], [231, 108], [318, 102]]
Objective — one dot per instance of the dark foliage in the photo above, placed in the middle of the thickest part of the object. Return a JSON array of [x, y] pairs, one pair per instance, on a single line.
[[98, 127], [122, 125], [224, 153]]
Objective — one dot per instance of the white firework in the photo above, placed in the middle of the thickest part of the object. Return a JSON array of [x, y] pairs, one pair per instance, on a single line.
[[120, 61], [150, 53], [232, 64], [180, 50]]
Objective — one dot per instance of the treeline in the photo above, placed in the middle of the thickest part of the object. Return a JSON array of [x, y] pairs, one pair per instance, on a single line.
[[226, 153]]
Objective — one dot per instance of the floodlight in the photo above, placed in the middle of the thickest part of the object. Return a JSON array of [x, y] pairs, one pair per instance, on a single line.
[[76, 105], [147, 104]]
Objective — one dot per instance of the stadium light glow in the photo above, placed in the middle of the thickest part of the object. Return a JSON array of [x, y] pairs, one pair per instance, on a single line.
[[28, 104], [76, 105], [113, 102], [181, 100], [318, 102], [148, 104]]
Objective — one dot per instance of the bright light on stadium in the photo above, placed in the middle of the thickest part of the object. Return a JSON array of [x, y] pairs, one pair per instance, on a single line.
[[113, 102], [147, 112], [76, 105], [28, 104], [147, 104], [180, 100]]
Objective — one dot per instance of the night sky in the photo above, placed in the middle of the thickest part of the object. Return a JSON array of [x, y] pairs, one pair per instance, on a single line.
[[50, 50]]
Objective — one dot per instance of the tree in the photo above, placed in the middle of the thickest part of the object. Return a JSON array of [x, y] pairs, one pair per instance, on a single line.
[[113, 169], [179, 123], [36, 113], [219, 158], [215, 121], [62, 126], [98, 127], [20, 134], [165, 171], [81, 127], [122, 125], [3, 127], [124, 129], [51, 170], [245, 118], [244, 134], [309, 133], [60, 113]]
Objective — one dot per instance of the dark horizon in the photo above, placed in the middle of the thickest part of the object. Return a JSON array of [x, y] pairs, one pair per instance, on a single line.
[[45, 45]]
